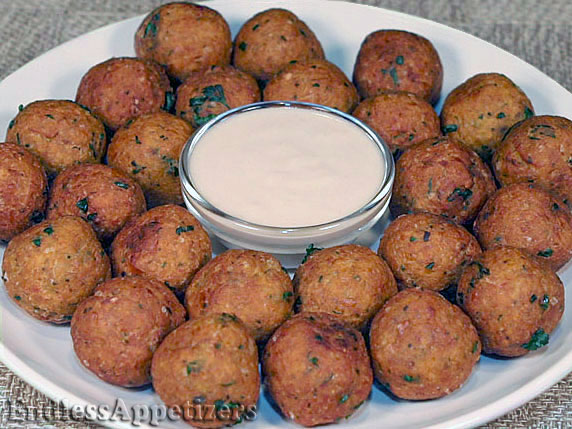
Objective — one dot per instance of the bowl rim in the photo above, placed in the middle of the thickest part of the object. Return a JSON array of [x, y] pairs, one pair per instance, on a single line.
[[190, 189]]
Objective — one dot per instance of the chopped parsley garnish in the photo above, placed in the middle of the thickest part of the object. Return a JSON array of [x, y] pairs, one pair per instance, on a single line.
[[533, 298], [399, 60], [82, 205], [37, 241], [20, 107], [546, 253], [91, 217], [501, 115], [151, 28], [430, 185], [17, 297], [314, 361], [194, 367], [319, 337], [50, 116], [255, 27], [49, 230], [316, 85], [137, 141], [122, 185], [182, 229], [228, 384], [242, 46], [344, 398], [211, 94], [393, 74], [528, 113], [410, 379], [430, 265], [173, 166], [169, 101], [287, 295], [11, 125], [465, 194], [426, 236], [475, 347], [451, 128], [545, 303], [412, 239], [309, 251], [539, 339], [138, 168]]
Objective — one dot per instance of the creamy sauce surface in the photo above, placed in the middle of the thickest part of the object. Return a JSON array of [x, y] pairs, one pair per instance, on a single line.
[[286, 167]]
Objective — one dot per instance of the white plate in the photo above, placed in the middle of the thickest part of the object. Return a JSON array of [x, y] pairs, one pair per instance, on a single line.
[[42, 354]]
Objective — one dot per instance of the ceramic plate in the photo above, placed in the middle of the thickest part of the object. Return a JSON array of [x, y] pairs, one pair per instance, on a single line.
[[42, 354]]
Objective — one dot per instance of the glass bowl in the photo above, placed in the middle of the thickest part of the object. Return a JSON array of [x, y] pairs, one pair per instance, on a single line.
[[239, 233]]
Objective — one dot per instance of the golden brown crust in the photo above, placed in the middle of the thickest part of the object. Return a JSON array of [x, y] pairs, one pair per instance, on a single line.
[[526, 216], [208, 363], [23, 190], [400, 118], [121, 89], [317, 369], [538, 150], [480, 111], [105, 197], [166, 243], [443, 177], [271, 40], [52, 267], [116, 330], [399, 61], [148, 151], [246, 283], [185, 38], [204, 95], [59, 132], [315, 81], [510, 296], [422, 346], [349, 282], [427, 251]]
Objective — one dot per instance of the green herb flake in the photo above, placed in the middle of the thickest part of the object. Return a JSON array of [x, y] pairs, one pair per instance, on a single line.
[[151, 28], [228, 384], [137, 141], [545, 303], [465, 194], [501, 115], [138, 168], [393, 74], [194, 367], [169, 101], [451, 128], [122, 185], [242, 46], [533, 298], [344, 398], [20, 107], [310, 251], [412, 239], [546, 253], [212, 94], [316, 85], [287, 295], [539, 339], [426, 236], [430, 186], [37, 241], [410, 379], [475, 347], [91, 217], [430, 265], [319, 337], [50, 116], [182, 229], [82, 205], [17, 297], [314, 361], [255, 27], [399, 60], [49, 230], [528, 113], [11, 124]]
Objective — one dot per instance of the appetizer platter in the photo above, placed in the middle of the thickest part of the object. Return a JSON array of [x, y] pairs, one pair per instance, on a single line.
[[113, 290]]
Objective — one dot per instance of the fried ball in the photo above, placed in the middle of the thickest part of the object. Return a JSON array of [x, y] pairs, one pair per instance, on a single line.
[[481, 110], [422, 346], [102, 195], [317, 369], [204, 95], [427, 251], [514, 300], [116, 330], [400, 118], [166, 243], [350, 282], [537, 150], [526, 216], [53, 266], [148, 151], [400, 61], [222, 285], [271, 40], [121, 89], [185, 38], [207, 370], [315, 81], [23, 190], [59, 132], [443, 177]]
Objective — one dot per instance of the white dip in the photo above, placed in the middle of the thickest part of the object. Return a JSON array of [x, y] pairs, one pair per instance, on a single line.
[[286, 167]]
